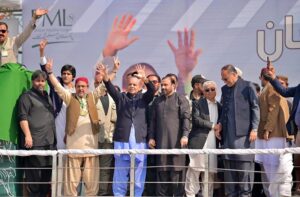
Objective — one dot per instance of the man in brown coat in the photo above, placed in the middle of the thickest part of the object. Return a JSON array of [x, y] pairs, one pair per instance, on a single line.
[[272, 133], [82, 130]]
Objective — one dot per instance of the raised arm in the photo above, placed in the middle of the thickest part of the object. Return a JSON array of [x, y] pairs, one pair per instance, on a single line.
[[186, 57], [22, 37], [148, 96], [286, 92], [64, 94], [102, 70], [118, 37]]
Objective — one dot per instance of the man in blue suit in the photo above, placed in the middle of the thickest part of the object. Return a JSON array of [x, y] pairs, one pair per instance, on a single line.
[[238, 122]]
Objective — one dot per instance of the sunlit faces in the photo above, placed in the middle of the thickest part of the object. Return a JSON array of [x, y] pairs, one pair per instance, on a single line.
[[210, 92], [67, 77], [39, 83], [3, 33], [167, 87], [81, 88], [229, 78], [155, 82], [134, 85]]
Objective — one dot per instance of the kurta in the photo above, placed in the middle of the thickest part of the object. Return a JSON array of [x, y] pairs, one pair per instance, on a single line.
[[83, 137], [170, 122]]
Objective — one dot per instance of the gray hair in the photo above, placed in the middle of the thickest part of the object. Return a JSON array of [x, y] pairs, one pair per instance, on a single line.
[[230, 68], [207, 83]]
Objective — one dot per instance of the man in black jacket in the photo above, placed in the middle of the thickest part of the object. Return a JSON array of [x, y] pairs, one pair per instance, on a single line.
[[36, 115], [169, 128], [131, 128]]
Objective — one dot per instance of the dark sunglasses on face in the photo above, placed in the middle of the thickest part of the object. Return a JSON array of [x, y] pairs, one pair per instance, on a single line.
[[225, 79], [154, 82], [3, 31], [210, 90]]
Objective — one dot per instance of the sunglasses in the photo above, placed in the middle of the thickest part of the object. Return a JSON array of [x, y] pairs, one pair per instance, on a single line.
[[3, 31], [210, 90], [154, 82], [225, 79]]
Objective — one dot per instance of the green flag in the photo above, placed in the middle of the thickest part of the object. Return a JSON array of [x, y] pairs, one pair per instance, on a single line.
[[14, 80]]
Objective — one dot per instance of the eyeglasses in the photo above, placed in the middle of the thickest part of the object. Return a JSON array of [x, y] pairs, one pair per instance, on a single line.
[[225, 79], [210, 90], [154, 82], [3, 31]]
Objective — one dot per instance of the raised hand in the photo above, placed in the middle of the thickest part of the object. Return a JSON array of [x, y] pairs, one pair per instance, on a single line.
[[98, 74], [42, 46], [117, 64], [140, 69], [186, 57], [271, 70], [103, 71], [118, 37], [40, 12], [2, 16], [49, 65]]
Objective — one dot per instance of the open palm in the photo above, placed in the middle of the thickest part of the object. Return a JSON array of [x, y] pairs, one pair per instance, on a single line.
[[118, 37], [186, 57]]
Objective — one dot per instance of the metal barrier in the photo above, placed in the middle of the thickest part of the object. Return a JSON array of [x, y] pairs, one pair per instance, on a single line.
[[56, 181]]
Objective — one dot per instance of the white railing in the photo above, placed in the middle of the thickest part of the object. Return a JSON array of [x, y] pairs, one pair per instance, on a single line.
[[57, 169]]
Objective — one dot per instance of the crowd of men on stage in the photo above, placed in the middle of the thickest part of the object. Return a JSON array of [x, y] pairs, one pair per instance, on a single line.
[[153, 112]]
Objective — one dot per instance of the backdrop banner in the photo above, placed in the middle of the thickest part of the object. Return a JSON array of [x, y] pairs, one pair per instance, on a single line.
[[242, 33]]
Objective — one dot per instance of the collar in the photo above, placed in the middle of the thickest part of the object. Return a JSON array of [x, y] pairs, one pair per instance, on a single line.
[[211, 102], [79, 98], [43, 93]]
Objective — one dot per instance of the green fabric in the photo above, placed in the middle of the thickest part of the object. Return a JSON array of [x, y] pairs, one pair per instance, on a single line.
[[9, 174], [14, 80]]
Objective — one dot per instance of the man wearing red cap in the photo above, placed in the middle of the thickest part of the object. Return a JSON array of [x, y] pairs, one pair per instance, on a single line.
[[82, 127]]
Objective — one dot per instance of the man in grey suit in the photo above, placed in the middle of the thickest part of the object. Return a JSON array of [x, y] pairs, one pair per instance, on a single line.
[[239, 122], [205, 114]]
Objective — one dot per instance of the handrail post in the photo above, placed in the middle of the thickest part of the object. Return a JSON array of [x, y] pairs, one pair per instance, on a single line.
[[53, 178], [132, 174], [206, 192], [60, 174]]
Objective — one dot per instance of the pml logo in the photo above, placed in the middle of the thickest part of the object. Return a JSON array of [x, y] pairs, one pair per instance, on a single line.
[[280, 39], [59, 19]]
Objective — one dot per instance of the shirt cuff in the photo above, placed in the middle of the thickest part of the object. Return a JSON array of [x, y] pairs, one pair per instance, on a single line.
[[43, 60], [213, 125]]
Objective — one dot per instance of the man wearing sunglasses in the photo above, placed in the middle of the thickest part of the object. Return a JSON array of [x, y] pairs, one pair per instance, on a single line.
[[239, 122], [9, 46], [205, 115]]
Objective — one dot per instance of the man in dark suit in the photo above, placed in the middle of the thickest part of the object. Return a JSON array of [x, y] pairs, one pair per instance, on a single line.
[[169, 129], [131, 128], [205, 113], [239, 122]]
